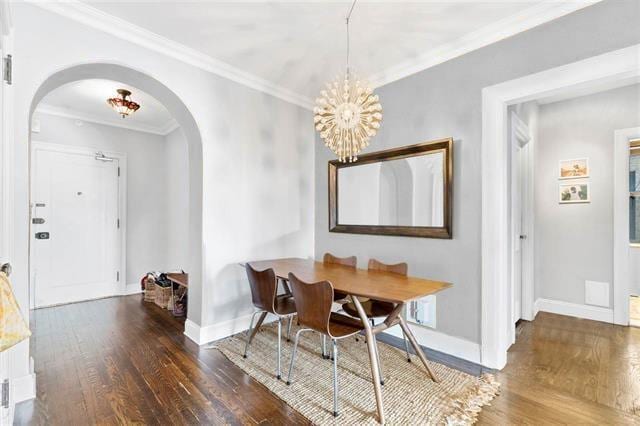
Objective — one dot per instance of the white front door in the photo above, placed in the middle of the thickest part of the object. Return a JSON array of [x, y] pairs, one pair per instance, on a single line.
[[76, 251]]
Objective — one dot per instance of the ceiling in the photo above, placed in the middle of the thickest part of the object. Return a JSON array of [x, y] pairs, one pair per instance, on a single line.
[[87, 100], [291, 49]]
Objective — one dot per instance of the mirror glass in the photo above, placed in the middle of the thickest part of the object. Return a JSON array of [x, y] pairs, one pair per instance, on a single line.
[[399, 192]]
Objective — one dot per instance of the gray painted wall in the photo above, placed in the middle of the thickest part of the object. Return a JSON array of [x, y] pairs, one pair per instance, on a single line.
[[574, 242], [150, 227], [177, 181], [445, 101]]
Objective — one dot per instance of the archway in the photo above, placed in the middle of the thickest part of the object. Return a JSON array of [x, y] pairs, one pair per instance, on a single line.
[[184, 118]]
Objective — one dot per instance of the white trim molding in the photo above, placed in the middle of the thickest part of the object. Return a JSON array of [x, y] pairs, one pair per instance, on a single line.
[[56, 111], [492, 33], [441, 342], [213, 332], [132, 289], [500, 30], [23, 388], [595, 313], [621, 246], [618, 65], [94, 18]]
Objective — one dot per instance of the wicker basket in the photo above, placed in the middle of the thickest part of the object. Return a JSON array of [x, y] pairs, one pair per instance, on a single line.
[[149, 290], [163, 294]]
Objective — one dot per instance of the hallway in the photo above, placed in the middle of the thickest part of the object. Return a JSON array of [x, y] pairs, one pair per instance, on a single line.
[[120, 360]]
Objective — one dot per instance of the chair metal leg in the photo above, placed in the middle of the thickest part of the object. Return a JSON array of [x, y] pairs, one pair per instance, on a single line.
[[293, 354], [406, 346], [375, 345], [335, 378], [289, 328], [324, 347], [279, 345], [248, 333]]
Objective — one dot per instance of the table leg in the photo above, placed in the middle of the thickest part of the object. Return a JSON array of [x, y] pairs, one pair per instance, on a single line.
[[416, 347], [375, 371]]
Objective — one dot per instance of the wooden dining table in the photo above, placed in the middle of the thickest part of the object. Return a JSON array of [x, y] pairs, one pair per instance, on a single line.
[[378, 285]]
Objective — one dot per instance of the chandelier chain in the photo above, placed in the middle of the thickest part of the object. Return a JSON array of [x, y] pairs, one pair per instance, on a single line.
[[349, 17]]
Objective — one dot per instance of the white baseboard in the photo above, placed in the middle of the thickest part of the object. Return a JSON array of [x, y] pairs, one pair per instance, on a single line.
[[213, 332], [441, 342], [595, 313], [455, 346], [132, 289], [23, 388]]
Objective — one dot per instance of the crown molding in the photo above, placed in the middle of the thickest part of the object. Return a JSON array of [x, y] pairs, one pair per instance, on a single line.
[[492, 33], [92, 17], [163, 130], [489, 34]]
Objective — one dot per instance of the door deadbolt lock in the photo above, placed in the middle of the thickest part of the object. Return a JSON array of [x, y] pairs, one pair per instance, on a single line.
[[37, 220], [42, 235]]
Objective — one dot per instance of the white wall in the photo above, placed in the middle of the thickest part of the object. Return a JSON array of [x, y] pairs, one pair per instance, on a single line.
[[257, 157], [176, 171], [634, 263], [574, 242], [153, 224]]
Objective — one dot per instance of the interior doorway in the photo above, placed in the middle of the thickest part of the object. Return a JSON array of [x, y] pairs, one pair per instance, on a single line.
[[521, 161], [607, 71], [100, 185]]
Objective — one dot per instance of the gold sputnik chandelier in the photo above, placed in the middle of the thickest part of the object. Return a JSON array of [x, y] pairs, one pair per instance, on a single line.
[[347, 114]]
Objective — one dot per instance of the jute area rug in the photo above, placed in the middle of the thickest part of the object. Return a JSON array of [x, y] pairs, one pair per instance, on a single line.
[[410, 397]]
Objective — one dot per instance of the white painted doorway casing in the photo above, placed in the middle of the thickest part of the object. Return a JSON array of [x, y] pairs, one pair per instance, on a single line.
[[522, 231], [80, 200], [612, 69], [621, 246]]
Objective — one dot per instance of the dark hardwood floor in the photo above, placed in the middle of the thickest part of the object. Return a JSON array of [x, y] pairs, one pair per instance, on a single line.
[[124, 361], [121, 360]]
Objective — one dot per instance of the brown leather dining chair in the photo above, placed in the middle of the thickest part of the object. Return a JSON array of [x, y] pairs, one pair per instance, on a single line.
[[350, 262], [264, 288], [314, 301], [378, 308]]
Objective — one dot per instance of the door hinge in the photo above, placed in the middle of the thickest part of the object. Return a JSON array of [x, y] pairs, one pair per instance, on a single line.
[[5, 393], [118, 276], [118, 223], [7, 69], [118, 171]]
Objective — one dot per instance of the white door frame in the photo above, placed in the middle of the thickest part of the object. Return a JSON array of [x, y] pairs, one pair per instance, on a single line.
[[122, 208], [621, 246], [521, 135], [610, 69]]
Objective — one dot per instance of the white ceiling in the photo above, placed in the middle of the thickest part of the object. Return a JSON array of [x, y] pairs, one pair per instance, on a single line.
[[298, 46], [87, 100]]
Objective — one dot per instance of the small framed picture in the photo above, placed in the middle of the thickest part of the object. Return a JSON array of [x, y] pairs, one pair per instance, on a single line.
[[574, 192], [576, 168]]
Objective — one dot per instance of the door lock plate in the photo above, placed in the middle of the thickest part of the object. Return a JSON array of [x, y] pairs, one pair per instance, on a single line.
[[37, 220]]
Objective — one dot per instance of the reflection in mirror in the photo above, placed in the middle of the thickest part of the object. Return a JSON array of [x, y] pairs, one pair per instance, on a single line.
[[405, 191], [401, 192]]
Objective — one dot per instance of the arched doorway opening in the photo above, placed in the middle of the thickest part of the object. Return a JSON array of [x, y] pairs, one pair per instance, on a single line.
[[184, 118]]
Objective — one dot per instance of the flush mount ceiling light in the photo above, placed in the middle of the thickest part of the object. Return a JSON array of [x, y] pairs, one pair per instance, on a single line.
[[347, 114], [123, 105]]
